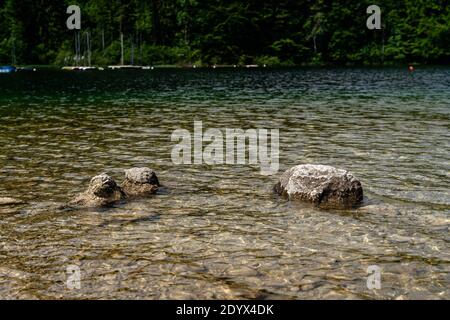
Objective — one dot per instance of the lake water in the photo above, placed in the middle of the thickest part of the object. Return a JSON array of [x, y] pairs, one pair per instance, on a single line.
[[219, 231]]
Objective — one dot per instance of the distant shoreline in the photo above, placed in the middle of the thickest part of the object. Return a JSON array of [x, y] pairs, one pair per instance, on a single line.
[[306, 66]]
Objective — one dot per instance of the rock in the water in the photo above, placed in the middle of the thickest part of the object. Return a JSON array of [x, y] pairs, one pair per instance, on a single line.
[[6, 201], [140, 182], [325, 186], [141, 175], [102, 191]]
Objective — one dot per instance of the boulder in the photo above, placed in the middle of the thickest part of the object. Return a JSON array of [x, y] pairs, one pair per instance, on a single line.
[[102, 191], [324, 186], [140, 182]]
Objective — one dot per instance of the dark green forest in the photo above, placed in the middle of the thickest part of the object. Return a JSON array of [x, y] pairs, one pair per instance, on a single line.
[[205, 32]]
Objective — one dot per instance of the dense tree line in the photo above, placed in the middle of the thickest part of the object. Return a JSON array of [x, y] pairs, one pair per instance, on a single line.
[[203, 32]]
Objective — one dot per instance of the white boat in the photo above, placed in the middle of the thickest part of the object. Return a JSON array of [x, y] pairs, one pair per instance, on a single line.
[[7, 69], [78, 54], [79, 68], [123, 66], [119, 67]]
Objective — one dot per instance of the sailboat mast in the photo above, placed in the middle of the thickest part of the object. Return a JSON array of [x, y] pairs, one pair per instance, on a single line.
[[13, 51], [121, 49], [103, 39], [88, 48], [77, 48], [132, 50]]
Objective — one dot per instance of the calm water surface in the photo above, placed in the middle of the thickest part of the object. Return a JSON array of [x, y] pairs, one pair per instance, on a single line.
[[218, 231]]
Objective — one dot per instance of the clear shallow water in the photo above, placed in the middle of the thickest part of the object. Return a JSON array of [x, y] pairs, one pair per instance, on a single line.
[[218, 231]]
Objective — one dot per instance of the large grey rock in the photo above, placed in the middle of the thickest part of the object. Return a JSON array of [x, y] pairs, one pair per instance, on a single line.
[[140, 182], [102, 191], [324, 186]]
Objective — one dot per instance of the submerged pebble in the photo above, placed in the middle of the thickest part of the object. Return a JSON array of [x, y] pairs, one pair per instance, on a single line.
[[6, 201]]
